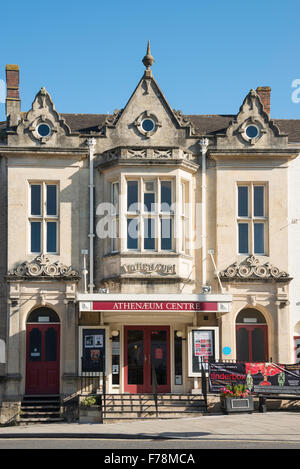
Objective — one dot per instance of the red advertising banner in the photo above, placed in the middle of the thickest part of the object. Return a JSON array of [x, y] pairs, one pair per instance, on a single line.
[[254, 376], [155, 306]]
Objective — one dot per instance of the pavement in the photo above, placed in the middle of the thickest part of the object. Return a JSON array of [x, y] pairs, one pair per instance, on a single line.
[[270, 426]]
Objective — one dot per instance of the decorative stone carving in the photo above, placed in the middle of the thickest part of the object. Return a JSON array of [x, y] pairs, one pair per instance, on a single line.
[[111, 121], [126, 153], [41, 266], [162, 269], [43, 112], [251, 269], [138, 123]]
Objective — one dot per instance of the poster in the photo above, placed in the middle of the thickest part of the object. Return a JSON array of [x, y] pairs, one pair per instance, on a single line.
[[202, 348], [93, 347], [253, 375]]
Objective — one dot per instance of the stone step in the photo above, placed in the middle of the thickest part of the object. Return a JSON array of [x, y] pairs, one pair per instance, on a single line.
[[29, 407], [40, 409], [41, 420]]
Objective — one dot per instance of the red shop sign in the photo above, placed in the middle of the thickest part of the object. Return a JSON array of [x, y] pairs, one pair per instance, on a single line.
[[155, 306]]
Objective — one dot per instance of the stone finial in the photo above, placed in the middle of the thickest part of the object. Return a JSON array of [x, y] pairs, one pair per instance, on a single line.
[[148, 60]]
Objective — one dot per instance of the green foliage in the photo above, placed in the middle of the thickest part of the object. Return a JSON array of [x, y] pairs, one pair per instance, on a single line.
[[89, 402], [235, 390]]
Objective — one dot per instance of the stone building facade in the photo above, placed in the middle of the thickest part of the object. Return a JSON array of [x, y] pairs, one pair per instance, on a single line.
[[148, 238]]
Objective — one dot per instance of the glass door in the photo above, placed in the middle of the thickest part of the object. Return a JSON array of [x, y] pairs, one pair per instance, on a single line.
[[147, 348]]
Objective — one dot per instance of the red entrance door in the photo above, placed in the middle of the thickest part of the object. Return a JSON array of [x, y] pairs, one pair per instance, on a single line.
[[252, 342], [146, 346], [42, 358]]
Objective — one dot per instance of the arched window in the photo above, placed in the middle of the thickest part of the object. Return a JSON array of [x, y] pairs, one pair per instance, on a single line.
[[251, 336]]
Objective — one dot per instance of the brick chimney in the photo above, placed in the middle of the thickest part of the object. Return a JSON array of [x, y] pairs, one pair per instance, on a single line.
[[264, 92], [13, 102]]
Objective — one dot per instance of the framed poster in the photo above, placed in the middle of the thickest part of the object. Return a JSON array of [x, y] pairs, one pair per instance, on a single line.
[[203, 345], [92, 350]]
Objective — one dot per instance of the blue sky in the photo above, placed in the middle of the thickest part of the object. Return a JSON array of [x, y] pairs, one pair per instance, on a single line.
[[208, 54]]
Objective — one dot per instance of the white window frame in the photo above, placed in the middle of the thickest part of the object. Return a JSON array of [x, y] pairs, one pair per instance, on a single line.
[[115, 218], [157, 214], [43, 218], [250, 220]]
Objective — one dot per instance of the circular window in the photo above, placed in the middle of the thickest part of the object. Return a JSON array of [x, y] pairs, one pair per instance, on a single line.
[[252, 131], [44, 130], [148, 125]]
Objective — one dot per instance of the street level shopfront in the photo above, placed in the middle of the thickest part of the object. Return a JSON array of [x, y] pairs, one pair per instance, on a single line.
[[140, 334]]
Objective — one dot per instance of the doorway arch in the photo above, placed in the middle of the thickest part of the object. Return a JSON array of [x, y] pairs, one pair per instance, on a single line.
[[42, 352], [251, 336]]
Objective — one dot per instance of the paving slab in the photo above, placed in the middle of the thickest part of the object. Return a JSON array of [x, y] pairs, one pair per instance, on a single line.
[[273, 426]]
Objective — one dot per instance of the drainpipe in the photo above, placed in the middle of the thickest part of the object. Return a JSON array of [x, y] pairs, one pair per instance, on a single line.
[[204, 144], [91, 142]]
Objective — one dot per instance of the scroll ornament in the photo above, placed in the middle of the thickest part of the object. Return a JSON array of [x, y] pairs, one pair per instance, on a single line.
[[41, 266], [251, 268]]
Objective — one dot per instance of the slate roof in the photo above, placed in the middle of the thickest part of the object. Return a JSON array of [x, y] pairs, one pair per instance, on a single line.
[[205, 124]]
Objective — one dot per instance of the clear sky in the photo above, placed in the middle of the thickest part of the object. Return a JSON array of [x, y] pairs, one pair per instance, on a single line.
[[208, 54]]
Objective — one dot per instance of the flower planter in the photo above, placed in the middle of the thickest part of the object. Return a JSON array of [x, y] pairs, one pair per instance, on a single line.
[[90, 414], [237, 404]]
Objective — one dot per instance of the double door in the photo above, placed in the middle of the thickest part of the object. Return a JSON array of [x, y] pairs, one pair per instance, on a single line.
[[147, 351]]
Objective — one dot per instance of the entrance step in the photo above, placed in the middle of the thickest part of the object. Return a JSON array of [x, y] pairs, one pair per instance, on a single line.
[[40, 409], [128, 407]]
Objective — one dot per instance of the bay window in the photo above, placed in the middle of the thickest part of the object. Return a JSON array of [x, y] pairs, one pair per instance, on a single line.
[[143, 214]]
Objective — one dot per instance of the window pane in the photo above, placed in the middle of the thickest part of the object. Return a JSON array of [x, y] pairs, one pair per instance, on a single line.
[[149, 233], [177, 359], [35, 345], [35, 242], [259, 238], [132, 233], [51, 237], [50, 345], [132, 196], [115, 235], [159, 353], [166, 195], [51, 199], [149, 202], [115, 197], [36, 199], [135, 357], [243, 238], [243, 201], [258, 201], [166, 234]]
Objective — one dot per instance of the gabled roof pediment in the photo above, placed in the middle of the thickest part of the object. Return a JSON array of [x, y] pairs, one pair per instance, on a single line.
[[252, 127], [42, 123]]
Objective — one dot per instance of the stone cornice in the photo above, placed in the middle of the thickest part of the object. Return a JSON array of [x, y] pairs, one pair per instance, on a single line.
[[234, 153]]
